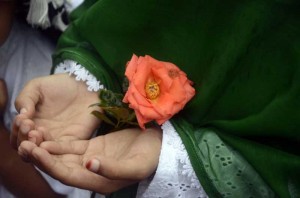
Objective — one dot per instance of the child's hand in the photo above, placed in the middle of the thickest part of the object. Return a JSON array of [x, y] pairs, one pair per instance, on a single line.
[[55, 107], [114, 160]]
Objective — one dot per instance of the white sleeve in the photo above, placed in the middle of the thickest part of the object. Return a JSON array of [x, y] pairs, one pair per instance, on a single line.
[[174, 176]]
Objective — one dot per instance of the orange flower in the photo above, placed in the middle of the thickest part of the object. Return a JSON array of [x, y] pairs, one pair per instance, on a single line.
[[157, 90]]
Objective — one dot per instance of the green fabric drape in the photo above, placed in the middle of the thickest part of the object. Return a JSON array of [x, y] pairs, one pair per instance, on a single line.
[[244, 58]]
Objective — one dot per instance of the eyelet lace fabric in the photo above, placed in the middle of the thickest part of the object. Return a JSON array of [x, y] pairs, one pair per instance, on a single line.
[[80, 73], [174, 176]]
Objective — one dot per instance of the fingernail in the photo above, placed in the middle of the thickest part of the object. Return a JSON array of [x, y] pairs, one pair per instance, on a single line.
[[24, 129], [23, 110], [93, 165]]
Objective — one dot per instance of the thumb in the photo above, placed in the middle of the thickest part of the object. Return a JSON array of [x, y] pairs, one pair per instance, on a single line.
[[129, 169], [28, 98]]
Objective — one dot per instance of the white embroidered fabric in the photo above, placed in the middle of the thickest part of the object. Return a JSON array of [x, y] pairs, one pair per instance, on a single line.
[[80, 73], [175, 176]]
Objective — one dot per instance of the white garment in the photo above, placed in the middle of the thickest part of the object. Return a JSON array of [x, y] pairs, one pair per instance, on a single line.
[[25, 55], [175, 176]]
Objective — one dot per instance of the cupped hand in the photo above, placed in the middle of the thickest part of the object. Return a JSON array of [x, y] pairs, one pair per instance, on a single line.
[[103, 164], [55, 107]]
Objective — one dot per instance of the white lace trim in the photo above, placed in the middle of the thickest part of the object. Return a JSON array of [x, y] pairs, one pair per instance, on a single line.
[[174, 176], [72, 67]]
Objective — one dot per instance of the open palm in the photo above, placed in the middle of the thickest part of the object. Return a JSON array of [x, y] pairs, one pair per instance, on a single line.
[[117, 159], [54, 108]]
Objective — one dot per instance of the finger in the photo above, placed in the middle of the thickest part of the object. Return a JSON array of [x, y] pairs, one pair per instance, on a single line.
[[129, 169], [77, 147], [39, 135], [42, 159], [77, 176], [15, 130], [39, 157], [25, 150], [46, 136], [72, 175], [25, 126], [28, 98], [36, 137]]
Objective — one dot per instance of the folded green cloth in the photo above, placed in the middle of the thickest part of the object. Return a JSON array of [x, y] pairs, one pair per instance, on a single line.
[[242, 129]]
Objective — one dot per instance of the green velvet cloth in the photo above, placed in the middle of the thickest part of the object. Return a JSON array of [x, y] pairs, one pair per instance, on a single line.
[[241, 130]]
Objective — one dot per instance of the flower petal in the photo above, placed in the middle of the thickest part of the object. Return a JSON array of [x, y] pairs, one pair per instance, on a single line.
[[175, 89], [150, 113], [140, 120], [131, 67], [142, 76], [135, 98], [164, 104]]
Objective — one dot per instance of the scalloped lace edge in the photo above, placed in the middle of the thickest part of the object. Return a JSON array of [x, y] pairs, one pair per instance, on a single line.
[[80, 73]]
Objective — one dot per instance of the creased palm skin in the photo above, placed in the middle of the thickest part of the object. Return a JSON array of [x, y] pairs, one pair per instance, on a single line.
[[125, 157], [54, 108]]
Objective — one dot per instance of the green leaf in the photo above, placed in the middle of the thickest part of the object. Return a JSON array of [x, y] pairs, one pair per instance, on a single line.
[[133, 123], [103, 117], [109, 98], [131, 116], [120, 113], [116, 113]]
